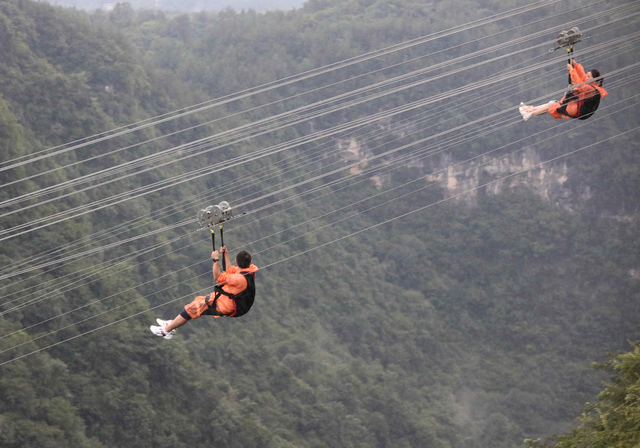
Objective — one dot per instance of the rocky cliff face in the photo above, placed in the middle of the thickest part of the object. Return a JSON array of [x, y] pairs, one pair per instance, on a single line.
[[492, 175], [485, 175]]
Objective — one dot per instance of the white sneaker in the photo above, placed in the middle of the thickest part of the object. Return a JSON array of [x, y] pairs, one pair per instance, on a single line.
[[526, 111], [163, 323], [161, 330]]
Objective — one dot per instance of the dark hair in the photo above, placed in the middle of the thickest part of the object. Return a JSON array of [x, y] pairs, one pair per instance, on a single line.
[[243, 259], [595, 73]]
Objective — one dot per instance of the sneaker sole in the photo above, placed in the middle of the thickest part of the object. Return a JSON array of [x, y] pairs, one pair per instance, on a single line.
[[166, 336]]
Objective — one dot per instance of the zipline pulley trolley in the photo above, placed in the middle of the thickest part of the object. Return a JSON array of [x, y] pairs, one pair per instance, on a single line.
[[212, 216], [567, 39], [215, 214]]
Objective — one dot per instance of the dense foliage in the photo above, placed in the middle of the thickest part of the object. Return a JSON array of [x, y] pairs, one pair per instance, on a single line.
[[614, 421], [460, 326]]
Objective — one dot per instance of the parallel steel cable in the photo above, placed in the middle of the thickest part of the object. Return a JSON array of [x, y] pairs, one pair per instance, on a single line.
[[50, 263], [390, 190], [239, 160], [156, 213], [456, 143], [401, 196], [453, 197], [98, 249], [295, 78], [402, 147], [85, 239], [292, 156], [416, 73], [153, 157], [136, 255], [331, 242], [72, 257], [48, 295], [590, 18], [382, 193], [146, 251], [132, 288], [60, 289], [208, 171], [6, 214]]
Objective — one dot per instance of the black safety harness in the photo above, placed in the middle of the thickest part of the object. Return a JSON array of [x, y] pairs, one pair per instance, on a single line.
[[241, 301], [586, 107]]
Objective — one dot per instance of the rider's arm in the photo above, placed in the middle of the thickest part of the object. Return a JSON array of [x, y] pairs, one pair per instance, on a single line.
[[216, 265], [577, 73]]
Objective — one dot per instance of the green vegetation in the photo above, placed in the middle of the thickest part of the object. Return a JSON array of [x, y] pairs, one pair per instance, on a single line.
[[614, 421], [460, 326]]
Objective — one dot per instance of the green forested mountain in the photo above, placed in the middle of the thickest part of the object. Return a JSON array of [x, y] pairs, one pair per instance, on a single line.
[[465, 325]]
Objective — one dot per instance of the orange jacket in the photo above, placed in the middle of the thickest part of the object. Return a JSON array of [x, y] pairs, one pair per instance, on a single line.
[[579, 76], [232, 282], [583, 92]]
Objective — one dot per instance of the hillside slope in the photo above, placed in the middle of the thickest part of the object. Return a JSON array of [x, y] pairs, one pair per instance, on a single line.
[[459, 326]]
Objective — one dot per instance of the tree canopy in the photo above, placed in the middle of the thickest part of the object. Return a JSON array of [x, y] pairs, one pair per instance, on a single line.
[[465, 325]]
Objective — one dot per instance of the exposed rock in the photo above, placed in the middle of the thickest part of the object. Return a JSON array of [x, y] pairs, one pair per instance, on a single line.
[[485, 175]]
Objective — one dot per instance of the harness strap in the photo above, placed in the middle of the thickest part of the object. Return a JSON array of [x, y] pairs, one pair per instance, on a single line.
[[214, 304], [571, 97], [218, 292]]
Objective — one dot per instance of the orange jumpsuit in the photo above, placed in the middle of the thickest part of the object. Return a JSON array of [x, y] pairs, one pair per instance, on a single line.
[[578, 76], [232, 281]]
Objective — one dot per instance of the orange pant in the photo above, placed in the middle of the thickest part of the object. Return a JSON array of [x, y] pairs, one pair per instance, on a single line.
[[572, 109], [202, 305], [198, 306]]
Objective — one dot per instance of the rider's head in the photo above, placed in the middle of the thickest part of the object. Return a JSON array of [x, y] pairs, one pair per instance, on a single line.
[[243, 259], [594, 74]]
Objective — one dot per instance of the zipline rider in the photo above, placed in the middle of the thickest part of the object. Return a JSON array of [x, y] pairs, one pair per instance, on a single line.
[[581, 102], [233, 295]]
